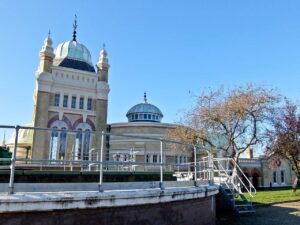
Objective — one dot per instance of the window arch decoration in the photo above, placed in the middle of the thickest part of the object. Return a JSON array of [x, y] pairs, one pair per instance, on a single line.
[[58, 140], [82, 141]]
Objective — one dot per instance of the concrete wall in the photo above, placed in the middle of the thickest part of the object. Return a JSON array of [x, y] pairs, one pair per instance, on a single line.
[[185, 212], [172, 206]]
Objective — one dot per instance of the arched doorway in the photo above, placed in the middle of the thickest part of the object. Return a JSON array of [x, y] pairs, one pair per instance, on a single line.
[[255, 180], [256, 176], [245, 178]]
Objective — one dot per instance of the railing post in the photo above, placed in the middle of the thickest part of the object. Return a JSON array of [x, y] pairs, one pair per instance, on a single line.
[[219, 170], [13, 163], [211, 169], [161, 185], [101, 164], [195, 166]]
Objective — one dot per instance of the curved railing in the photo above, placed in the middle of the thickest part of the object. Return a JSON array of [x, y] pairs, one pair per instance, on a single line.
[[100, 164]]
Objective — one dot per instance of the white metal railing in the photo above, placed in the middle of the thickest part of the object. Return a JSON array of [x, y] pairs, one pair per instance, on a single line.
[[200, 171], [248, 186], [235, 178]]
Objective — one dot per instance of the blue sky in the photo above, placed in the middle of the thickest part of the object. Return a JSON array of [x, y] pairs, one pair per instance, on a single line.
[[171, 49]]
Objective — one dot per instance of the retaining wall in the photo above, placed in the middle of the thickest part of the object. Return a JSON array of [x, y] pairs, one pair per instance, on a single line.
[[189, 205]]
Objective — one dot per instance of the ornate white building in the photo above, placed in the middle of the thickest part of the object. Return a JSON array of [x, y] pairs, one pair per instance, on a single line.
[[69, 95]]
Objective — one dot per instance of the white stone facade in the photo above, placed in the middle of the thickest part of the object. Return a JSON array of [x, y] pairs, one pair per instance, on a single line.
[[69, 95]]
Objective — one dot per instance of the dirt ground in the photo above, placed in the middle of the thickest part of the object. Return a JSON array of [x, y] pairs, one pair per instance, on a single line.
[[277, 214]]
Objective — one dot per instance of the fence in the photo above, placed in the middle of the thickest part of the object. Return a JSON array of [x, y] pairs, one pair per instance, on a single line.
[[86, 150]]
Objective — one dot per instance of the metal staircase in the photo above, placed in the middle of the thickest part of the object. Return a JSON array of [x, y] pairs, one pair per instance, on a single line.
[[232, 182]]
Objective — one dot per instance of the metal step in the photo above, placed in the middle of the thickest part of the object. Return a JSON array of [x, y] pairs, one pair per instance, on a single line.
[[229, 193], [250, 211], [232, 190], [243, 205]]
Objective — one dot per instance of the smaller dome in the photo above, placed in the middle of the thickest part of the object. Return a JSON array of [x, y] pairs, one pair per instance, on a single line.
[[25, 136], [144, 112]]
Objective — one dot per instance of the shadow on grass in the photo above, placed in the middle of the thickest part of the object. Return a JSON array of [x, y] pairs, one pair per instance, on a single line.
[[277, 214]]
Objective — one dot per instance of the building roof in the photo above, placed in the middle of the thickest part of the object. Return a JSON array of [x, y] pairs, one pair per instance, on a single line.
[[72, 54], [144, 112], [145, 108], [76, 64]]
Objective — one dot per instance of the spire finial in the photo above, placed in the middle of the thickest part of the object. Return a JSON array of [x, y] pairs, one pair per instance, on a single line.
[[103, 45], [145, 97], [75, 25], [49, 33]]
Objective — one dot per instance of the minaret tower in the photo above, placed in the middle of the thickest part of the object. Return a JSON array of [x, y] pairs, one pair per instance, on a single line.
[[103, 66], [42, 96], [45, 68], [101, 104], [46, 56]]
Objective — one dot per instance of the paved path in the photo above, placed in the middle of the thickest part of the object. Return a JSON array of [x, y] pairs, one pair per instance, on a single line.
[[277, 214]]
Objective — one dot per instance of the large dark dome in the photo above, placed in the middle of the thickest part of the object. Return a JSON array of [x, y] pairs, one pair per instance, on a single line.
[[72, 54]]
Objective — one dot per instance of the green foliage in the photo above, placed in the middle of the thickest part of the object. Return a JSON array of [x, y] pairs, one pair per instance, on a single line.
[[264, 197], [5, 153], [284, 141]]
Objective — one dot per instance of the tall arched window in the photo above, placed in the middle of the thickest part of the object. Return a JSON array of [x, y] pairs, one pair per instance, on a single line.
[[58, 140], [53, 144], [86, 145], [83, 141], [78, 144], [62, 143]]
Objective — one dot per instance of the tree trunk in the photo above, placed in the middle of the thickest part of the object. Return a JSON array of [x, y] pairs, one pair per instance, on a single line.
[[234, 175], [295, 184]]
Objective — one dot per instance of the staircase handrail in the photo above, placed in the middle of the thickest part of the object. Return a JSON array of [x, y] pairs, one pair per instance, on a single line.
[[251, 187], [227, 175], [234, 183]]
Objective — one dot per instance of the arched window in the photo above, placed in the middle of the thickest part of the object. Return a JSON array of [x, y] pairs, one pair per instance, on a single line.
[[83, 141], [58, 140], [62, 143], [86, 145], [78, 144], [53, 144]]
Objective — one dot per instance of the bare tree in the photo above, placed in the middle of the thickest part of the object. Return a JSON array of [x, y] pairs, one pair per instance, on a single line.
[[235, 116], [284, 139]]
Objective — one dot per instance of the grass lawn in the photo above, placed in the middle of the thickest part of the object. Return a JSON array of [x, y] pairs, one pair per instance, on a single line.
[[274, 196]]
